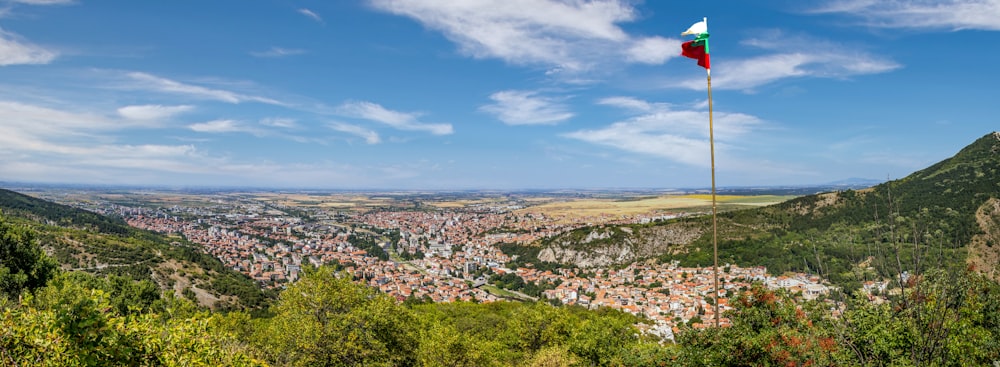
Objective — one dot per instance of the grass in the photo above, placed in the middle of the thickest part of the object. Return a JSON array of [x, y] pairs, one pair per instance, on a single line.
[[502, 292]]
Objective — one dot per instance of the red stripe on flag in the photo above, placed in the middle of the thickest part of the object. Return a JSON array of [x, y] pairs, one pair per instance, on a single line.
[[696, 50]]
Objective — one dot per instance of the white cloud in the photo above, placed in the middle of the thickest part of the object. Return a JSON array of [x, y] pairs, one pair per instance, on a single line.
[[119, 155], [152, 112], [569, 36], [222, 126], [14, 51], [628, 103], [515, 107], [796, 56], [219, 126], [44, 143], [311, 14], [155, 83], [399, 120], [275, 52], [147, 150], [677, 135], [370, 136], [279, 122], [921, 14], [653, 50], [45, 121]]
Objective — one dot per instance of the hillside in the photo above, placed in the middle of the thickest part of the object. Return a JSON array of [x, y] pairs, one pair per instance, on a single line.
[[927, 219], [84, 241]]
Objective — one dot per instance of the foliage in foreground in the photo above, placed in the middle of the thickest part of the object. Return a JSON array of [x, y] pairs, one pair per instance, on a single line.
[[69, 324], [23, 265], [77, 319], [325, 320], [942, 320]]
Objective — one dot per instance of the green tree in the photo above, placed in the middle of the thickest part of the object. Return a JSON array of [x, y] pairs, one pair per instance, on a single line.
[[604, 337], [538, 325], [554, 356], [67, 323], [942, 319], [325, 320], [768, 328], [23, 264], [442, 345], [127, 296]]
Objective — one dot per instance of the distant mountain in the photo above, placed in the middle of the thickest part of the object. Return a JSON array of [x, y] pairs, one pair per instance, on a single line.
[[947, 215], [84, 241], [855, 182]]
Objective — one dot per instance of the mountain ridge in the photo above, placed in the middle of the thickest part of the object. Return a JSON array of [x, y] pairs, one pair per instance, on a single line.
[[934, 212], [80, 240]]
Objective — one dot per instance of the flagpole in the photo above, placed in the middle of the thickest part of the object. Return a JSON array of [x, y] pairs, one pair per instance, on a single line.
[[698, 49], [715, 231]]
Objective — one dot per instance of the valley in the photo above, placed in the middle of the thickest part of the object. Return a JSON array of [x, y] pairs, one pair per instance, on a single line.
[[826, 268]]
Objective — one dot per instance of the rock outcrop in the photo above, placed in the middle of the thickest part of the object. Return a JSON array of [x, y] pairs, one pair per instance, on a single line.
[[616, 245]]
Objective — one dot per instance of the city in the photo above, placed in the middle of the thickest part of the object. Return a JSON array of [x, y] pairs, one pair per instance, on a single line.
[[446, 255]]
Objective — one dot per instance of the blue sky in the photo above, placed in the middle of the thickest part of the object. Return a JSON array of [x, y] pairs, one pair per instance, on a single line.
[[477, 94]]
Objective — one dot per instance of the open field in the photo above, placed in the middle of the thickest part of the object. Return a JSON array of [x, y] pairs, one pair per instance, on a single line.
[[362, 201], [749, 200], [452, 204], [583, 207], [554, 207], [327, 201], [670, 204], [143, 198]]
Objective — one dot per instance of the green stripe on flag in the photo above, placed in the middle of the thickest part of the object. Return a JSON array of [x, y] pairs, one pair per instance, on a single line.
[[702, 40]]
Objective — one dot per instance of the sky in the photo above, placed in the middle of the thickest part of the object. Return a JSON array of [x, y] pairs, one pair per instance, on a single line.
[[489, 94]]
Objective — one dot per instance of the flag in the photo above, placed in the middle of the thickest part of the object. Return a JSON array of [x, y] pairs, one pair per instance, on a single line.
[[698, 48]]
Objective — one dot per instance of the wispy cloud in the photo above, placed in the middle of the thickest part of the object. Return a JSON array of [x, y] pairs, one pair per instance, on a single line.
[[284, 123], [152, 112], [515, 107], [221, 126], [46, 121], [311, 14], [677, 135], [56, 141], [154, 83], [653, 50], [226, 126], [630, 103], [31, 130], [811, 57], [15, 51], [46, 143], [921, 14], [276, 52], [43, 2], [399, 120], [371, 137], [569, 36]]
